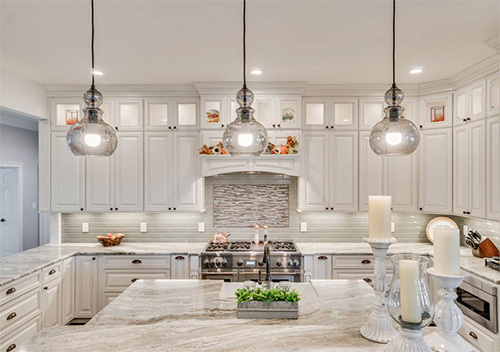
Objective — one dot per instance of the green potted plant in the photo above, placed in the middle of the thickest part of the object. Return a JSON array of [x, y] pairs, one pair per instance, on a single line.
[[274, 303]]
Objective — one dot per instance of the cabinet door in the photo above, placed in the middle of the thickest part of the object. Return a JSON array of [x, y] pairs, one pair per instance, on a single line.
[[99, 184], [493, 168], [158, 171], [128, 171], [477, 169], [402, 182], [188, 188], [279, 138], [461, 107], [129, 115], [52, 304], [158, 114], [436, 111], [345, 113], [372, 172], [344, 171], [323, 267], [288, 112], [477, 100], [85, 287], [211, 138], [435, 171], [265, 111], [371, 111], [316, 112], [460, 169], [186, 112], [67, 176], [313, 185], [179, 268], [65, 112], [68, 290], [213, 112], [493, 95]]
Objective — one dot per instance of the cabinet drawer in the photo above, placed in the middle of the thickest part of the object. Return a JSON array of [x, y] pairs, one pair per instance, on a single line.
[[114, 280], [18, 287], [367, 276], [14, 340], [477, 336], [356, 261], [134, 262], [12, 315], [51, 272]]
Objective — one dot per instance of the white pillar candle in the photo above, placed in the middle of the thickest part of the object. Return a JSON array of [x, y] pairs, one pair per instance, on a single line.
[[411, 311], [446, 251], [379, 217]]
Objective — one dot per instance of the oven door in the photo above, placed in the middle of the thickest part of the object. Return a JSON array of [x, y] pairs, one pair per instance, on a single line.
[[478, 305], [276, 276], [226, 276]]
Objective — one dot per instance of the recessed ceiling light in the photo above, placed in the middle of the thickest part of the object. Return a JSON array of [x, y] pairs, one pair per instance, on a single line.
[[416, 71], [98, 73], [256, 71]]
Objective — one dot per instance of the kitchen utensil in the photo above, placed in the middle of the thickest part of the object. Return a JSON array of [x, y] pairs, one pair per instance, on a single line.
[[473, 239], [487, 249], [439, 221], [221, 237]]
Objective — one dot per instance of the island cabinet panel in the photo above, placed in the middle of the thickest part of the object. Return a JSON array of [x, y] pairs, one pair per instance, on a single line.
[[322, 266], [68, 290], [52, 303], [435, 171], [86, 286], [179, 267], [493, 168], [15, 338]]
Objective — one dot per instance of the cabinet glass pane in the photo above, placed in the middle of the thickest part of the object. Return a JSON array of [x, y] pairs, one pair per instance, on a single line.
[[372, 113], [158, 114], [106, 112], [186, 113], [436, 110], [233, 106], [264, 112], [212, 112], [129, 115], [408, 113], [288, 111], [315, 114], [68, 114], [343, 113], [477, 101], [495, 94]]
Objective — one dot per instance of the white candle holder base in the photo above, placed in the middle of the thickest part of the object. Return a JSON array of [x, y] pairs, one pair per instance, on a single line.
[[379, 327], [448, 318], [408, 341]]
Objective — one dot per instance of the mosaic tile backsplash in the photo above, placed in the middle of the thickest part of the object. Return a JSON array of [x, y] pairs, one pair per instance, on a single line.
[[250, 205]]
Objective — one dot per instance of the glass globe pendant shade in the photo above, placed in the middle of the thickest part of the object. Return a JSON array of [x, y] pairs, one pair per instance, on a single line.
[[394, 135], [245, 136], [92, 136]]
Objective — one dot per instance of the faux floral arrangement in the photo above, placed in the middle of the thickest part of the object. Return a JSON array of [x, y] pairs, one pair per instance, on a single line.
[[291, 147], [217, 149]]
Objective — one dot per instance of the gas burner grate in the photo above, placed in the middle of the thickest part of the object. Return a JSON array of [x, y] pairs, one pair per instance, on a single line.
[[240, 246], [284, 247], [229, 246]]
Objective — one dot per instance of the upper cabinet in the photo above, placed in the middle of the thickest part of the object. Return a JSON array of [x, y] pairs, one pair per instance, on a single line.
[[330, 113], [215, 111], [470, 103], [371, 111], [171, 114], [493, 94], [289, 111], [435, 111], [65, 112], [493, 168], [128, 115]]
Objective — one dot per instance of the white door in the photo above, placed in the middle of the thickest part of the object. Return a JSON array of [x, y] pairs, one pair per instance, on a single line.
[[10, 212], [67, 176], [51, 304], [344, 171], [435, 170], [158, 157], [128, 170], [402, 182], [99, 184], [460, 169], [313, 185], [493, 168], [68, 290], [187, 181], [477, 176], [372, 172], [85, 287]]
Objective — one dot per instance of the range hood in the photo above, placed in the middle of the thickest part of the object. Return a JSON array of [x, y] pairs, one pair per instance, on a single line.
[[212, 165]]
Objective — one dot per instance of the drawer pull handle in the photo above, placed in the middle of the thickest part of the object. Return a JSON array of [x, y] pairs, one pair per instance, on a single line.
[[322, 257], [366, 261], [10, 291], [52, 272], [11, 348], [134, 279], [179, 257], [473, 335], [136, 261], [366, 279], [11, 316]]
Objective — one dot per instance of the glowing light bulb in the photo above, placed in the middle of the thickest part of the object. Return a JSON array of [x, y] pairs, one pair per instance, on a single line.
[[393, 138], [245, 139], [92, 140]]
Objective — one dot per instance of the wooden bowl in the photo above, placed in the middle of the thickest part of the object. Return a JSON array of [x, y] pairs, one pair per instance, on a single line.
[[110, 241]]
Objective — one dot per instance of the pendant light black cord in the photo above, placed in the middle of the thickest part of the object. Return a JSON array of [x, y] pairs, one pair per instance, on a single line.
[[244, 43], [394, 43], [92, 42]]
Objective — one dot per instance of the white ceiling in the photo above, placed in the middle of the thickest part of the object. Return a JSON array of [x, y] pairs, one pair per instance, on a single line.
[[176, 42]]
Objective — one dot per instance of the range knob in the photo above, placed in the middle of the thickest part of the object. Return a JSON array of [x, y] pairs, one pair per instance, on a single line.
[[218, 262], [212, 263], [296, 262], [279, 262], [239, 262], [206, 263], [224, 262], [290, 262], [260, 263]]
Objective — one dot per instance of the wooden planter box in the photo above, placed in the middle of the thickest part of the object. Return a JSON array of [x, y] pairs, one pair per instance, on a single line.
[[271, 310]]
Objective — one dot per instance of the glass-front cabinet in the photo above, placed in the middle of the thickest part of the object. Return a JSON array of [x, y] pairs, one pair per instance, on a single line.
[[470, 103], [371, 111], [171, 114], [493, 94], [65, 112], [330, 113], [435, 111]]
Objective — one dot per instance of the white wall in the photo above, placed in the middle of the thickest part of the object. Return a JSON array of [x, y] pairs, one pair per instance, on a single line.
[[22, 94], [21, 145]]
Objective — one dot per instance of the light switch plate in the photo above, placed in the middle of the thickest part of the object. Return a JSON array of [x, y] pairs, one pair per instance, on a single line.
[[144, 227], [85, 227], [393, 227], [466, 230], [201, 227], [303, 227]]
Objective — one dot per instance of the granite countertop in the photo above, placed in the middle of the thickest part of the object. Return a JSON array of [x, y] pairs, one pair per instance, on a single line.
[[190, 315]]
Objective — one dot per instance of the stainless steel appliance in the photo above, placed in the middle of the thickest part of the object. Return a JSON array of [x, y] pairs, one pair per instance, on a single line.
[[240, 261], [478, 300]]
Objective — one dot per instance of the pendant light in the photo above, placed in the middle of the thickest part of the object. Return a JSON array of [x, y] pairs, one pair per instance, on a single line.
[[92, 136], [394, 135], [245, 136]]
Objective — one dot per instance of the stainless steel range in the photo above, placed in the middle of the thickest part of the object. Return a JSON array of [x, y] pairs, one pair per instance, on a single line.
[[242, 261]]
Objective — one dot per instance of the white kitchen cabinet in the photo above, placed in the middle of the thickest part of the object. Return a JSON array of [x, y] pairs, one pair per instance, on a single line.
[[470, 103], [44, 156], [211, 138], [322, 267], [215, 113], [179, 267], [194, 267], [289, 110], [14, 339], [67, 176], [435, 171], [402, 182], [343, 176], [371, 111], [265, 111], [493, 168], [435, 111], [86, 285], [460, 169], [68, 290], [372, 172], [52, 303], [128, 115], [65, 112], [493, 95], [330, 113], [171, 114], [99, 187]]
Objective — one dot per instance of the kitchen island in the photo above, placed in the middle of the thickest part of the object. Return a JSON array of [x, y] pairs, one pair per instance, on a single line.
[[188, 315]]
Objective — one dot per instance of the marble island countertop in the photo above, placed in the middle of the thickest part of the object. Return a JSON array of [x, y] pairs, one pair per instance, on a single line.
[[188, 315]]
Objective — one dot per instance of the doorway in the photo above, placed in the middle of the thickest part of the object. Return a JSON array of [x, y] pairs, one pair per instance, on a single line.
[[11, 208]]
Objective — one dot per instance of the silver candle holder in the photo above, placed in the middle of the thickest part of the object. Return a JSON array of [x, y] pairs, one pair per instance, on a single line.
[[379, 327]]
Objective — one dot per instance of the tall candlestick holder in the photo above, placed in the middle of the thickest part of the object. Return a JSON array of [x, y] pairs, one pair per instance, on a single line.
[[449, 318], [379, 327]]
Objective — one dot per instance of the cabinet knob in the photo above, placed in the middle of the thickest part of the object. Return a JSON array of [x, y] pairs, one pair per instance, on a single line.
[[279, 125], [169, 208], [81, 209], [367, 279], [175, 208], [169, 127], [331, 127], [473, 335], [52, 272], [366, 261], [11, 316], [421, 208], [326, 208], [222, 126], [116, 128], [134, 279], [322, 257], [326, 127], [111, 209], [175, 127], [331, 208], [10, 291], [46, 288], [136, 261], [93, 258], [421, 126], [2, 220], [11, 348], [179, 257], [116, 208]]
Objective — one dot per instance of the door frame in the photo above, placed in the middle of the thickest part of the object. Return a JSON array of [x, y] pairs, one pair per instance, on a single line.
[[19, 179]]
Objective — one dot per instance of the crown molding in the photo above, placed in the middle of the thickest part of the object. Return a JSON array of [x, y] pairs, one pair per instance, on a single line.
[[213, 88], [494, 43], [359, 90], [132, 91], [480, 70]]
